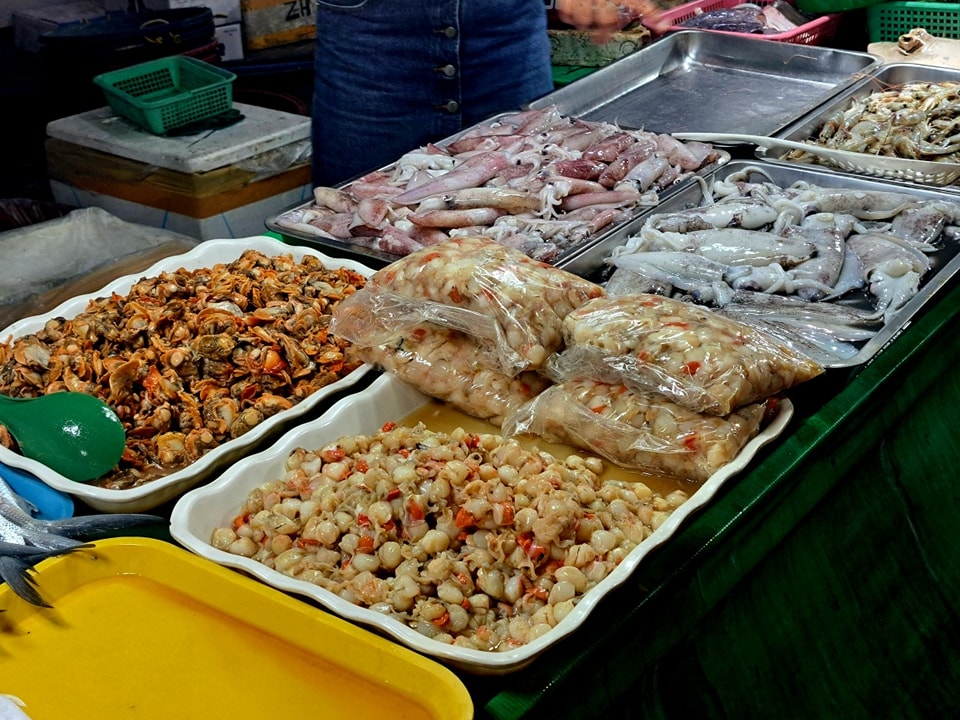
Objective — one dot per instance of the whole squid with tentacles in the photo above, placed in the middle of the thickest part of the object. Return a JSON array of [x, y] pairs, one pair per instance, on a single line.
[[752, 240]]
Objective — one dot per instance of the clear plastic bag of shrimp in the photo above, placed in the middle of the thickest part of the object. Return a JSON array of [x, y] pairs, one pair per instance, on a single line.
[[449, 365], [494, 293], [637, 430], [686, 353]]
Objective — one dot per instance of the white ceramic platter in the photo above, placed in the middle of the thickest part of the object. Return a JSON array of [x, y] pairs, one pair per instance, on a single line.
[[206, 508], [156, 492]]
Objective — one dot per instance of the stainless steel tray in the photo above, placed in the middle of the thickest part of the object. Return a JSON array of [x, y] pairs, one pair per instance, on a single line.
[[945, 262], [378, 259], [698, 81], [370, 257], [881, 77]]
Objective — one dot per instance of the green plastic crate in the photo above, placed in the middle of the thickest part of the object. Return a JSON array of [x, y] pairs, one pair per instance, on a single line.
[[161, 95], [887, 22]]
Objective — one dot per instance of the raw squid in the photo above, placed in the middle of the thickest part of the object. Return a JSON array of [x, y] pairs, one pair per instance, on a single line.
[[817, 277], [529, 173], [892, 269], [811, 244]]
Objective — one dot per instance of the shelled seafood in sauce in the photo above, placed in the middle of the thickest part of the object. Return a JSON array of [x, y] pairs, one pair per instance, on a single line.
[[787, 258], [468, 538], [535, 180]]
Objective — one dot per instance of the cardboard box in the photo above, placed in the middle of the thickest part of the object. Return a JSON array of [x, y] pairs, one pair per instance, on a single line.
[[30, 23], [269, 23], [239, 222], [230, 38]]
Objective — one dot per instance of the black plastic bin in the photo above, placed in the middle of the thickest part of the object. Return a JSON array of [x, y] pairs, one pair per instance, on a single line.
[[73, 55]]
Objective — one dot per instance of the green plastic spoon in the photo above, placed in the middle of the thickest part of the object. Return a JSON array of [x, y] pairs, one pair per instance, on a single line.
[[73, 433]]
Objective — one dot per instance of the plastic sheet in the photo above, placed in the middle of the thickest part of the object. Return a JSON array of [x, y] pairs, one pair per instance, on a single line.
[[687, 354], [823, 583], [920, 46], [277, 160], [41, 257], [498, 295]]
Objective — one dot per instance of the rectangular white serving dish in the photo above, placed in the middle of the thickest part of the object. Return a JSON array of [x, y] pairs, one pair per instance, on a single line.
[[161, 490], [199, 512]]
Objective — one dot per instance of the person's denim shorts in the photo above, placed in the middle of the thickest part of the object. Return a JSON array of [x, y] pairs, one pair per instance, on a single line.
[[392, 75]]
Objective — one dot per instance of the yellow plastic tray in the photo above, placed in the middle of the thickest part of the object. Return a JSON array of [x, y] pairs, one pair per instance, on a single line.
[[143, 629]]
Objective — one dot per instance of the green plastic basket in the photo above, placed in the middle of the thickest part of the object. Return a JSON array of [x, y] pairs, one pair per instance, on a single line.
[[168, 93], [887, 22]]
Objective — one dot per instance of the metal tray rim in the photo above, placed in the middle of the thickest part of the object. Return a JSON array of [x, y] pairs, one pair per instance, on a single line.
[[800, 128], [734, 45]]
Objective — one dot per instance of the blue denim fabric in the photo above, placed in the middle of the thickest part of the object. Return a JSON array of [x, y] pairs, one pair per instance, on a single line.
[[392, 75]]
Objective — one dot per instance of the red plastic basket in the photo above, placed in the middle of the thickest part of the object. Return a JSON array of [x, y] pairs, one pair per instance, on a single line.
[[812, 33]]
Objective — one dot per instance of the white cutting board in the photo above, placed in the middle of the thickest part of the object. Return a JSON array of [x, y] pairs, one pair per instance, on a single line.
[[260, 131]]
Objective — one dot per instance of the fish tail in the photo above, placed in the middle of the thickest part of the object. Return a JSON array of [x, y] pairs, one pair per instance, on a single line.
[[43, 540], [15, 571], [83, 526]]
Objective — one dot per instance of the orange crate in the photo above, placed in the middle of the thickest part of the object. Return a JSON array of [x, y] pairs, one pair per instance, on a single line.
[[814, 32]]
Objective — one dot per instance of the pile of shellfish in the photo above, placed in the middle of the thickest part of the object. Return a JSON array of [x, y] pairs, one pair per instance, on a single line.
[[915, 120], [190, 359]]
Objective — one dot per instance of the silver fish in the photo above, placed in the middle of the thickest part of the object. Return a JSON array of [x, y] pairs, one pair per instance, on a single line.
[[26, 540], [780, 307], [82, 527], [14, 534]]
